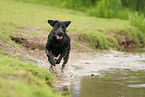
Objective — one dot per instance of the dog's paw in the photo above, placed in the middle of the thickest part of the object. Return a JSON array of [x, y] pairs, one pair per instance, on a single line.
[[57, 61]]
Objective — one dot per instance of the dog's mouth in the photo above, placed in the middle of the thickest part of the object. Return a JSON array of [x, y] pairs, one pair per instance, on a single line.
[[59, 37]]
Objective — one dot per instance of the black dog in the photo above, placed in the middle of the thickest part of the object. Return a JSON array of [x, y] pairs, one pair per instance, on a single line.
[[58, 43]]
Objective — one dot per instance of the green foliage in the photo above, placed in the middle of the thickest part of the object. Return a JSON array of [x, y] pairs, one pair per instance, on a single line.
[[98, 8], [107, 8], [122, 13], [79, 4], [136, 5], [137, 20], [98, 40]]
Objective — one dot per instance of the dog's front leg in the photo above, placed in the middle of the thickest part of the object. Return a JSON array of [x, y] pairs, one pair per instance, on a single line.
[[50, 58], [60, 57]]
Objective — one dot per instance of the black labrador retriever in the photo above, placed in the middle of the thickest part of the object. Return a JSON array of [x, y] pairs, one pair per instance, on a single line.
[[58, 43]]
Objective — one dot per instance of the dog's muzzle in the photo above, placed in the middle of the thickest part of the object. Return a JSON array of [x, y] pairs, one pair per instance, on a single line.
[[59, 35]]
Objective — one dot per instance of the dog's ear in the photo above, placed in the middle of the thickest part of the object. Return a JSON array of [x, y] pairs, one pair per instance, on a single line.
[[51, 22], [67, 23]]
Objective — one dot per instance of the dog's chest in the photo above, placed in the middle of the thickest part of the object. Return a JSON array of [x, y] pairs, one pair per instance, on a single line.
[[57, 49], [58, 46]]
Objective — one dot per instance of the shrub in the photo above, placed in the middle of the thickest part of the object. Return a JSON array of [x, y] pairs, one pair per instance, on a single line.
[[107, 8]]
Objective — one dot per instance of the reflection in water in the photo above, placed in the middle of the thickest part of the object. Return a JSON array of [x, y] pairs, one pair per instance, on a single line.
[[114, 83], [100, 87]]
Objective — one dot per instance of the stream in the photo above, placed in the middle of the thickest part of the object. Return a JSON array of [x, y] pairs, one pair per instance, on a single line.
[[107, 74]]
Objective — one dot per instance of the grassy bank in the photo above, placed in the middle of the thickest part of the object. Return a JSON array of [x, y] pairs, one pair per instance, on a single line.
[[21, 79]]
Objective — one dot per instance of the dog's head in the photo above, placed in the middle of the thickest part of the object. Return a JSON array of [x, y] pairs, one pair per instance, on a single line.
[[59, 28]]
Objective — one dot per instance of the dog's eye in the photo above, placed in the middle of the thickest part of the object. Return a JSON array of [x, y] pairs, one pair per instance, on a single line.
[[57, 26]]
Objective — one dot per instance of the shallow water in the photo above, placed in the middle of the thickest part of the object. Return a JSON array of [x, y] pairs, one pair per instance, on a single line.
[[109, 74], [112, 83], [112, 74]]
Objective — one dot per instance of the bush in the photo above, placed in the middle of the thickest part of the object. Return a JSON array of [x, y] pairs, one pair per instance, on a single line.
[[107, 8], [99, 8]]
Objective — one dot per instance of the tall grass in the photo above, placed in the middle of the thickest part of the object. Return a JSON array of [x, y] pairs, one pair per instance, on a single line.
[[44, 2], [99, 8], [137, 20], [106, 8], [78, 4]]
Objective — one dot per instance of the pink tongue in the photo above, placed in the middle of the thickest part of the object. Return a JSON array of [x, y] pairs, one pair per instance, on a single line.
[[59, 37]]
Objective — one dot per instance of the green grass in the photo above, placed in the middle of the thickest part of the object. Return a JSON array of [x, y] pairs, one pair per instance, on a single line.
[[18, 18], [137, 20], [21, 79], [98, 40]]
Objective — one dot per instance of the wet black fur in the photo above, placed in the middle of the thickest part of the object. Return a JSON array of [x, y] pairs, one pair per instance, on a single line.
[[58, 47]]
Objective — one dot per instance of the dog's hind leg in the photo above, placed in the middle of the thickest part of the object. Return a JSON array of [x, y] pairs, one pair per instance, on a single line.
[[50, 68]]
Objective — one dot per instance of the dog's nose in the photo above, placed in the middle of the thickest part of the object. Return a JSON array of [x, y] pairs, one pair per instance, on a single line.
[[60, 33]]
